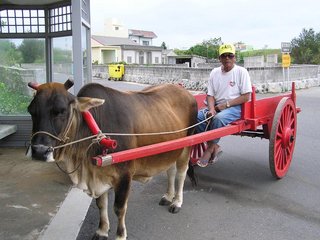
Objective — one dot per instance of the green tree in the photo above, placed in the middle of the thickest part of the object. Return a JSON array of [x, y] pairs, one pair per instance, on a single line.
[[164, 46], [181, 52], [62, 55], [9, 53], [306, 47], [208, 48], [2, 23], [259, 52], [32, 50]]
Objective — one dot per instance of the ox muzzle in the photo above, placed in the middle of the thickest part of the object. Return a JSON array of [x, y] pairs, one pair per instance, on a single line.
[[40, 152]]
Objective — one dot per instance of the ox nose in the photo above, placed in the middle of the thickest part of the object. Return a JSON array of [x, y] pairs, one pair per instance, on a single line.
[[41, 152]]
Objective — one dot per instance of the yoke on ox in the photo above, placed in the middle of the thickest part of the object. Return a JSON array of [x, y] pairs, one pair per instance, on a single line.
[[57, 119]]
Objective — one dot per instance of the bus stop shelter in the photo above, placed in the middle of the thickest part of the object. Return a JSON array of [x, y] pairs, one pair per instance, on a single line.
[[63, 29]]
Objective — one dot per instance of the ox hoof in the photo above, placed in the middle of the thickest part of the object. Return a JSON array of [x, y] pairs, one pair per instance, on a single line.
[[98, 237], [164, 202], [174, 209]]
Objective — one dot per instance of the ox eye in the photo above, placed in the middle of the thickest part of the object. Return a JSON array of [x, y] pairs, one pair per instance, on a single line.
[[59, 112]]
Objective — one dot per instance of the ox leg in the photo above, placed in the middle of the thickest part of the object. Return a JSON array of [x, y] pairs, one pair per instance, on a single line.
[[104, 226], [167, 198], [120, 205], [182, 167]]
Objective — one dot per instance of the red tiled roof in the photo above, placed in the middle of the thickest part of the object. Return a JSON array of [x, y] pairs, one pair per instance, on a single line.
[[141, 33]]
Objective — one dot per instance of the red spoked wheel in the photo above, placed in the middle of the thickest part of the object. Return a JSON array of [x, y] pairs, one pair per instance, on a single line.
[[282, 137], [197, 152]]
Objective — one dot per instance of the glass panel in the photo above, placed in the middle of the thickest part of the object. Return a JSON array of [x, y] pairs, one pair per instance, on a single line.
[[10, 13], [41, 13], [42, 29], [22, 61], [18, 13], [19, 29], [41, 21], [84, 47], [3, 13], [12, 29], [4, 29], [34, 13], [62, 59], [26, 21], [27, 29], [26, 13], [34, 29], [19, 21], [12, 21]]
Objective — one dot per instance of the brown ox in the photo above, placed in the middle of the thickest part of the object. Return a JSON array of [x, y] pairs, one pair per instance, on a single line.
[[57, 113]]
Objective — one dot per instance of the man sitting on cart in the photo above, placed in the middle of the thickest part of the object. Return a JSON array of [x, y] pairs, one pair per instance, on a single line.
[[228, 87]]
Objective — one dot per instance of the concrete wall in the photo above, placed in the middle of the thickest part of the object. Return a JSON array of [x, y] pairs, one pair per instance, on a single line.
[[266, 79], [191, 78]]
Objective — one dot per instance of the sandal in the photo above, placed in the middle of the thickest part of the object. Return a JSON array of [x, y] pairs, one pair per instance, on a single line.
[[215, 156], [204, 160]]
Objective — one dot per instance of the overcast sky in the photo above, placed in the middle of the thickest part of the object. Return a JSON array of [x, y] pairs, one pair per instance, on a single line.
[[184, 23]]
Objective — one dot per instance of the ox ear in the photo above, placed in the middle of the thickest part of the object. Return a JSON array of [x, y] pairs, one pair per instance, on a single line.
[[68, 84], [85, 103]]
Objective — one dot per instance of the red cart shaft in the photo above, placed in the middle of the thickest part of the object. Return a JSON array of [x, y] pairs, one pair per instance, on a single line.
[[167, 146]]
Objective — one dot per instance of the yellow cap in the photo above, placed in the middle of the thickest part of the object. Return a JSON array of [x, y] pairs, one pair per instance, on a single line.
[[227, 48]]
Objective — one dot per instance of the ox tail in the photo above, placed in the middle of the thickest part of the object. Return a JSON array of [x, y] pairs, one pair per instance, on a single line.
[[192, 175]]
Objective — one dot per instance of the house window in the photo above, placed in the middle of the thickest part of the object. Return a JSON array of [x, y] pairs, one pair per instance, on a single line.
[[129, 59], [145, 43], [116, 28], [156, 60]]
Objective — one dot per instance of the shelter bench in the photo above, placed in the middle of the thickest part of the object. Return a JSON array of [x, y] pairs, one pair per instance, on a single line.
[[6, 130]]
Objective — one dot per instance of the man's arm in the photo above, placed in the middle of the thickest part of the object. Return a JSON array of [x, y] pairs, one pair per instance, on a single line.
[[237, 101], [211, 105], [241, 99]]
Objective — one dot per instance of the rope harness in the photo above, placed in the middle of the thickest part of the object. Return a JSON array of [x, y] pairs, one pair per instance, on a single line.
[[99, 136]]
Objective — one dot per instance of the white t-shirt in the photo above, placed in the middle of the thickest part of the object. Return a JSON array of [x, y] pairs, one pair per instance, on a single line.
[[224, 86]]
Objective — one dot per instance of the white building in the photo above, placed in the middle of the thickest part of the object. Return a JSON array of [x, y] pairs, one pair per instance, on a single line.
[[114, 49], [142, 37]]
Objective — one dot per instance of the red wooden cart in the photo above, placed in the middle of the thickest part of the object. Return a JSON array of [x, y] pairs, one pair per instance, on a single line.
[[273, 118]]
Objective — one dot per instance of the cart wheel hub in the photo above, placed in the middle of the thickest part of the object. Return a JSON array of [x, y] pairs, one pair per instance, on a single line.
[[288, 137]]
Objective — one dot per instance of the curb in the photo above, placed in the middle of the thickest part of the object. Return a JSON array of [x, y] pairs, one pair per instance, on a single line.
[[67, 222]]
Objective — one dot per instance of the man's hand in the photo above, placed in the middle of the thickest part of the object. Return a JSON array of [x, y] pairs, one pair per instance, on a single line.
[[211, 112], [220, 107]]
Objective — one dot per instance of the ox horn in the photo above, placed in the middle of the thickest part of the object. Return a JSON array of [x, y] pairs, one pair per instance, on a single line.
[[34, 85], [68, 84]]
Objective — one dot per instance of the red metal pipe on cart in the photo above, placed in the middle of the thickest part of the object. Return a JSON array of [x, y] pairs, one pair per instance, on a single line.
[[94, 128], [167, 146]]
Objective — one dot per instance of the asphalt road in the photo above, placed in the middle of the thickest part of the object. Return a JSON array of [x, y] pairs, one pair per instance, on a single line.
[[237, 198]]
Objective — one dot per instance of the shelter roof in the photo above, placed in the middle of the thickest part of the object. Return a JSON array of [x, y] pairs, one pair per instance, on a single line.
[[30, 2]]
